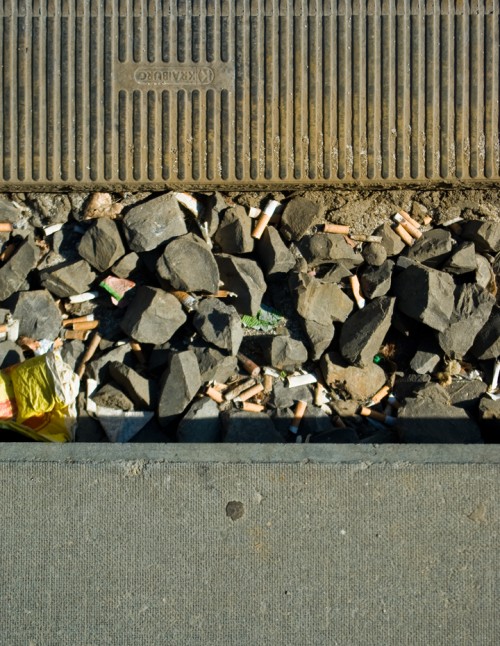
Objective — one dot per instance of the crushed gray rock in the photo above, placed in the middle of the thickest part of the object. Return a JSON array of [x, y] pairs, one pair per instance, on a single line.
[[67, 280], [153, 316], [433, 248], [375, 254], [234, 234], [240, 426], [425, 295], [139, 389], [101, 246], [376, 281], [15, 271], [201, 423], [363, 332], [188, 264], [151, 223], [320, 301], [38, 315], [274, 256], [463, 259], [484, 235], [325, 248], [245, 278], [359, 383], [283, 352], [178, 386], [219, 324], [299, 216]]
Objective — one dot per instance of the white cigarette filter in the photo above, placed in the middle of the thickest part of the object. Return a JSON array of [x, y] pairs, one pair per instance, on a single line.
[[82, 298], [190, 202], [301, 380], [496, 375], [271, 207]]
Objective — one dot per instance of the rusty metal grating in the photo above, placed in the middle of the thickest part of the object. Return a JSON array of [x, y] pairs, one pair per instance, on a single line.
[[248, 93]]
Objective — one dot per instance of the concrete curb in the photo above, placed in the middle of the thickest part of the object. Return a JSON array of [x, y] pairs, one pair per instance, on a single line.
[[403, 454]]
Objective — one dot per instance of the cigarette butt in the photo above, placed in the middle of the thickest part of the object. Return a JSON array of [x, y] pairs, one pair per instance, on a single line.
[[298, 414], [374, 414], [350, 242], [319, 394], [3, 329], [301, 380], [336, 228], [356, 291], [51, 229], [89, 352], [224, 293], [6, 227], [409, 219], [186, 300], [250, 407], [233, 392], [214, 394], [365, 238], [427, 220], [86, 325], [78, 319], [413, 231], [403, 234], [251, 392], [190, 202], [8, 252], [250, 366], [268, 383], [380, 395], [137, 350], [270, 209], [83, 298], [262, 223]]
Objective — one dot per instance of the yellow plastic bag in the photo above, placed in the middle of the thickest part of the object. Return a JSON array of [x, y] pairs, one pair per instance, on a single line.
[[38, 398]]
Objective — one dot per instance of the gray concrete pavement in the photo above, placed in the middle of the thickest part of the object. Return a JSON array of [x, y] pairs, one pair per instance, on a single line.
[[127, 545]]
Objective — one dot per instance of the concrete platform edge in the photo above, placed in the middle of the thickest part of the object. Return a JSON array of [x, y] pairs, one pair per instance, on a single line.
[[253, 453]]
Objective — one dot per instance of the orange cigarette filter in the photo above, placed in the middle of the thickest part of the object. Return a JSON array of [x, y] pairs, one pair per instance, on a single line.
[[268, 383], [3, 329], [78, 319], [8, 252], [356, 290], [336, 228], [413, 231], [403, 234], [368, 412], [427, 220], [250, 407], [250, 366], [137, 350], [251, 392], [214, 394], [298, 414], [93, 345], [86, 325], [6, 227], [409, 219], [380, 395], [262, 223]]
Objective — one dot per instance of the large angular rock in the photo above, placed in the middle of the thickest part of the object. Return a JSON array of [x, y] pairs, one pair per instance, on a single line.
[[14, 272], [234, 234], [245, 278], [73, 278], [140, 390], [98, 369], [466, 393], [363, 332], [240, 426], [430, 418], [325, 248], [336, 273], [219, 324], [201, 423], [473, 307], [463, 260], [283, 353], [101, 246], [432, 249], [425, 295], [391, 242], [153, 316], [424, 362], [489, 415], [484, 235], [487, 341], [214, 364], [38, 315], [188, 264], [299, 216], [318, 337], [320, 301], [151, 223], [127, 267], [359, 383], [285, 397], [179, 384], [376, 280], [274, 256]]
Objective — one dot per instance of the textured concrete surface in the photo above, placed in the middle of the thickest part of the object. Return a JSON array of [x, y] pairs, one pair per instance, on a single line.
[[335, 545]]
